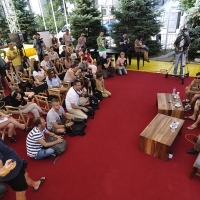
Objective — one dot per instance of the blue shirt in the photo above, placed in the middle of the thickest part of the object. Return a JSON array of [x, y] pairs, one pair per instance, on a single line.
[[8, 153], [54, 82]]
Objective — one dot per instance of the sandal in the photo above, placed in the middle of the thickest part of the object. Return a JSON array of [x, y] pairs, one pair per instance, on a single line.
[[12, 139], [40, 184], [191, 127], [188, 117]]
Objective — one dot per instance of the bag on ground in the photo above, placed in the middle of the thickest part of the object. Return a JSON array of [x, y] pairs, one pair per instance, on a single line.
[[58, 148]]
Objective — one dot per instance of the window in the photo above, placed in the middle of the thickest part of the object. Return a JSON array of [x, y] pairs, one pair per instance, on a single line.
[[103, 11]]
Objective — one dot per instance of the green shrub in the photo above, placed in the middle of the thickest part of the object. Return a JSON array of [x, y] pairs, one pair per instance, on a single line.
[[154, 47]]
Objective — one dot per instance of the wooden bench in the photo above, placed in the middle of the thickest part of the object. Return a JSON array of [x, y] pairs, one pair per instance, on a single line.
[[95, 54], [196, 168]]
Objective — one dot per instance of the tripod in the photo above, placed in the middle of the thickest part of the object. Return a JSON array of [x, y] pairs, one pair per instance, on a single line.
[[182, 57]]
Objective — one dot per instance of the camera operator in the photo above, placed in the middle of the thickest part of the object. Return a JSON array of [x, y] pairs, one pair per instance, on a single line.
[[181, 45], [108, 67], [39, 46]]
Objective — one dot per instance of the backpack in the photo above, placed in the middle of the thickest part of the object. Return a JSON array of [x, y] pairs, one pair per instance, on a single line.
[[58, 148], [77, 128], [98, 95], [94, 103], [90, 112]]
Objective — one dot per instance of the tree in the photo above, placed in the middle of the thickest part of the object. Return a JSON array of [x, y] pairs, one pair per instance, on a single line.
[[186, 4], [59, 16], [137, 17], [86, 19], [4, 29], [25, 17]]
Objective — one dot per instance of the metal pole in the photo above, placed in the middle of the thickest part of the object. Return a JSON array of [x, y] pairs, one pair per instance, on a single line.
[[197, 1], [54, 16], [41, 10], [168, 25], [64, 5]]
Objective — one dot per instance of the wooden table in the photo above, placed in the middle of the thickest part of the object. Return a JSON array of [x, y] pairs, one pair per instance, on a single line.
[[166, 105], [157, 138]]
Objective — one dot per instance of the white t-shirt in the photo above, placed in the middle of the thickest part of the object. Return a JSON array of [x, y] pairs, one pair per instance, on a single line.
[[71, 97], [46, 64], [53, 56], [39, 73]]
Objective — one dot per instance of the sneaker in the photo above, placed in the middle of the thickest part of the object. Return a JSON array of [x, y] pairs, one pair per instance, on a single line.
[[185, 101], [188, 107]]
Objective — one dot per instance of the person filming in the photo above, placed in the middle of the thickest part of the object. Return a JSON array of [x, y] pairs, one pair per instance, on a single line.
[[181, 45]]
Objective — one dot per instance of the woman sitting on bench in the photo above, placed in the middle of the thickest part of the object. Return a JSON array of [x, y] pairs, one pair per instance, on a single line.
[[139, 47]]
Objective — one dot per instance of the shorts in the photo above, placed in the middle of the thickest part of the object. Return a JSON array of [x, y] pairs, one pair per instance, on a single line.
[[18, 184]]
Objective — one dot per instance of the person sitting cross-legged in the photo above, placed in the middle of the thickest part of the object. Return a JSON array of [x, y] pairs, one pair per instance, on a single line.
[[194, 115], [36, 145], [192, 92], [57, 118], [72, 101]]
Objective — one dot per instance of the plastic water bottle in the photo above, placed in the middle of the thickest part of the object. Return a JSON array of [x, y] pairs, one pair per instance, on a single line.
[[174, 91], [173, 127]]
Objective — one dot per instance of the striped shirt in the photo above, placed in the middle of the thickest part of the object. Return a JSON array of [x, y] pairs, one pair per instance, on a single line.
[[32, 144]]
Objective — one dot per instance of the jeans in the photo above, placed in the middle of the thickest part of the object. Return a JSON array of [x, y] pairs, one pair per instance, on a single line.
[[42, 153], [121, 71], [34, 108], [180, 57]]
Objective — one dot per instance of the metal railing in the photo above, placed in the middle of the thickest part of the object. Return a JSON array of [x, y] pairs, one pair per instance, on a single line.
[[167, 40]]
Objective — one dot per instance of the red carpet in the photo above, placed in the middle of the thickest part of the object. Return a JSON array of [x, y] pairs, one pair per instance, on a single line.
[[106, 163]]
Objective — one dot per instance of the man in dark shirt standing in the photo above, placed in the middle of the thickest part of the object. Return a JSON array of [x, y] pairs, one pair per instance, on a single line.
[[12, 172], [124, 42], [108, 67]]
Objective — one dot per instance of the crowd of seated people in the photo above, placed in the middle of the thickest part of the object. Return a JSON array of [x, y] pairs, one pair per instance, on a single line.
[[74, 65]]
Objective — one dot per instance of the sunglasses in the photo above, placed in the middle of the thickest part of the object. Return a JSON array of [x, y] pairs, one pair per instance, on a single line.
[[197, 77]]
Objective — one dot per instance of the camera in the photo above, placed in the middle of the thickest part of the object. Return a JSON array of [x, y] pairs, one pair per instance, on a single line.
[[39, 41]]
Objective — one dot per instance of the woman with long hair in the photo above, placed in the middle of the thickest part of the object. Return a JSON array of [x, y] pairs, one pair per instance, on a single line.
[[139, 47], [58, 67], [38, 73], [68, 62], [53, 81], [101, 86], [87, 55]]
